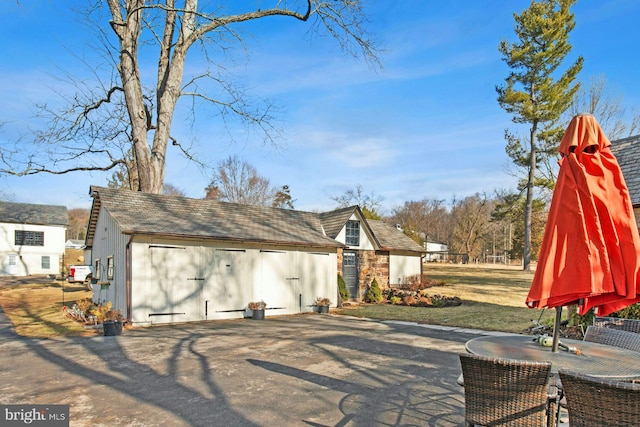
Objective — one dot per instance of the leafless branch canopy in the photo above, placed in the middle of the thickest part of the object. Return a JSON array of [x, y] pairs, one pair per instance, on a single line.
[[126, 112]]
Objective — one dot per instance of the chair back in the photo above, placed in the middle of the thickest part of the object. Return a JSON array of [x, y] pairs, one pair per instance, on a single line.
[[505, 392], [629, 325], [613, 337], [595, 402]]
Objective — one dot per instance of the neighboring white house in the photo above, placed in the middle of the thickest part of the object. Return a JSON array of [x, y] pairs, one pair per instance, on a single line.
[[436, 251], [32, 238], [165, 259]]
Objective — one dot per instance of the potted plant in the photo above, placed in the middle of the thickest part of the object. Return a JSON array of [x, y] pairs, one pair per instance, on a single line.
[[257, 309], [323, 304], [112, 323]]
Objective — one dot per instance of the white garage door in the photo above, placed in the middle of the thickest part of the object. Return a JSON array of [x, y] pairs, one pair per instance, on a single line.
[[227, 289], [176, 291], [279, 284]]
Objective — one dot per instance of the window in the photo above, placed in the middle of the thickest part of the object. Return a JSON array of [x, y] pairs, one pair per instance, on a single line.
[[110, 268], [29, 238], [353, 233], [97, 269], [45, 262], [349, 259]]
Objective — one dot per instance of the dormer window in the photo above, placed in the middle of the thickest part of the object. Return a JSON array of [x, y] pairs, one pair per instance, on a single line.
[[353, 233]]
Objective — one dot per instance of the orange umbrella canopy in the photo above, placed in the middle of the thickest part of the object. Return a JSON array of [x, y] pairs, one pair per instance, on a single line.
[[590, 253]]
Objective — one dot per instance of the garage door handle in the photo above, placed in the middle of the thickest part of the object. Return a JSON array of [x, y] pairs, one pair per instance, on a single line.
[[195, 278], [293, 278]]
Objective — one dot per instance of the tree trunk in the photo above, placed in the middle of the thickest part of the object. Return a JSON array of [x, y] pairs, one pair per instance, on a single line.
[[528, 209]]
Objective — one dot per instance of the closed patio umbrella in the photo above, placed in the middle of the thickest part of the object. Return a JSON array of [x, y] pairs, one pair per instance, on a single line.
[[590, 253]]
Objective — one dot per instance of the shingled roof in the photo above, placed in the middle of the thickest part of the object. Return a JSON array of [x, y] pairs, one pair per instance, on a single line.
[[156, 214], [627, 151], [26, 213], [390, 238], [334, 221]]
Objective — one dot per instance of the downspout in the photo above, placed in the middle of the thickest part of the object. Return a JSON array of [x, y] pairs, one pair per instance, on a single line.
[[128, 276]]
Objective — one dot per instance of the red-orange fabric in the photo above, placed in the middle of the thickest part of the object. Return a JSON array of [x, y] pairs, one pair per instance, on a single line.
[[590, 252]]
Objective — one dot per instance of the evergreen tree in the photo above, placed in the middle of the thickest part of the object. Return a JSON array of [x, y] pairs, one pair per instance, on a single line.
[[374, 294], [536, 92]]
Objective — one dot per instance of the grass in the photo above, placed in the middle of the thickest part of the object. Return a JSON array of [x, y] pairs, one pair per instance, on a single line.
[[36, 310], [493, 299]]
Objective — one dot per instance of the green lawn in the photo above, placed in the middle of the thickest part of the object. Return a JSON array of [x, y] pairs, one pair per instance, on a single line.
[[493, 299]]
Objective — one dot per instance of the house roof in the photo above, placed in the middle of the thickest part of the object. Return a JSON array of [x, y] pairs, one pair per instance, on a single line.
[[334, 221], [156, 214], [74, 243], [390, 238], [627, 151], [26, 213]]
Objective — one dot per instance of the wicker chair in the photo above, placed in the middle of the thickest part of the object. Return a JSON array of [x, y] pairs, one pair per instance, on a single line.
[[506, 392], [630, 325], [613, 337], [594, 402]]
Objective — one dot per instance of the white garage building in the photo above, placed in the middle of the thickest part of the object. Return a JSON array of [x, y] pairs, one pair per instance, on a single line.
[[164, 259]]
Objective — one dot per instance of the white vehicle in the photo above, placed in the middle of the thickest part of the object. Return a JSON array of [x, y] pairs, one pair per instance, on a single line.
[[80, 273]]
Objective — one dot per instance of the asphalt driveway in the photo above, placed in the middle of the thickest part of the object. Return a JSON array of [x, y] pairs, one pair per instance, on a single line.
[[306, 370]]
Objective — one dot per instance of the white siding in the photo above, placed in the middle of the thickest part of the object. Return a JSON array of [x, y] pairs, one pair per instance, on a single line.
[[366, 242], [401, 266], [318, 277], [28, 259], [109, 241]]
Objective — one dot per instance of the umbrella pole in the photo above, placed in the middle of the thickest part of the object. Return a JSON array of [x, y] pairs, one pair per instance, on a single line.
[[556, 330]]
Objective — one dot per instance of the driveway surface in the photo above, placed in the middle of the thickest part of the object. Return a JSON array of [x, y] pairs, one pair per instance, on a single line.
[[304, 370]]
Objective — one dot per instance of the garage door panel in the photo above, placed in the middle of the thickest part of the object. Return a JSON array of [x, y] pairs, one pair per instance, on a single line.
[[278, 286], [175, 293], [317, 278], [230, 288]]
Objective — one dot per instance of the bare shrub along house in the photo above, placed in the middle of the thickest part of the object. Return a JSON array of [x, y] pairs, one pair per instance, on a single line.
[[164, 259]]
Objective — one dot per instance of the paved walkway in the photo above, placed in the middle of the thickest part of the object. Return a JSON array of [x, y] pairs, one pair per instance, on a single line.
[[306, 370]]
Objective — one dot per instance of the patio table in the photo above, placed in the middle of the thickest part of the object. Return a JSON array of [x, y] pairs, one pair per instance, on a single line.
[[595, 359]]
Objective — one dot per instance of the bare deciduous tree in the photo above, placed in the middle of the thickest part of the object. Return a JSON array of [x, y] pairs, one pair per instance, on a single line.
[[607, 108], [371, 202], [172, 190], [132, 110], [472, 218], [78, 221], [426, 219], [236, 181]]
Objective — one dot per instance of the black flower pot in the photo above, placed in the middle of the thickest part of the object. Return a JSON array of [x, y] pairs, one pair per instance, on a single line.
[[258, 314], [324, 309], [112, 328]]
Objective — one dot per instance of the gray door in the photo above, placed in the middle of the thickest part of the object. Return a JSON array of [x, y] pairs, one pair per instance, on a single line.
[[350, 273]]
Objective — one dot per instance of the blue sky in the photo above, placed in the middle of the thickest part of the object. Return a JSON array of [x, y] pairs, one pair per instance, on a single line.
[[427, 125]]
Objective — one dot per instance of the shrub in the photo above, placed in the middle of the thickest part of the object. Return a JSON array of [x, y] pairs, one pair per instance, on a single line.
[[374, 294], [631, 312], [85, 304], [342, 287], [322, 301], [113, 315], [409, 300], [395, 300], [257, 305]]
